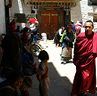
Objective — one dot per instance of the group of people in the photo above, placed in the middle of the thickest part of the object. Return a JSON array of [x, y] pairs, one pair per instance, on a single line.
[[74, 27], [18, 64], [85, 52], [17, 81], [65, 38]]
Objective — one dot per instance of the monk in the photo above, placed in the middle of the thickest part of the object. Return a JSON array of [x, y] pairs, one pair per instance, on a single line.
[[85, 52]]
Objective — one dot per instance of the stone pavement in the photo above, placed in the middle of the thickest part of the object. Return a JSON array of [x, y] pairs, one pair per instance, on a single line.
[[61, 75]]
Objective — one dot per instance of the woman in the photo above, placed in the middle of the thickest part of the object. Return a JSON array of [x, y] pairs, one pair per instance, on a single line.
[[67, 44]]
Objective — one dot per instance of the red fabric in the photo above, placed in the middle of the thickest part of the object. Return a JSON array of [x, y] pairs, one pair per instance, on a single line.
[[84, 60], [12, 26], [32, 20], [25, 37], [95, 43], [78, 29]]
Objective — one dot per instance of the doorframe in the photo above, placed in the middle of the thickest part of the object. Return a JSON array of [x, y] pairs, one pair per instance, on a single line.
[[60, 16]]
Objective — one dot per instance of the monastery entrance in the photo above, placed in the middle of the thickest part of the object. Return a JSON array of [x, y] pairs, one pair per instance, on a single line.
[[51, 21]]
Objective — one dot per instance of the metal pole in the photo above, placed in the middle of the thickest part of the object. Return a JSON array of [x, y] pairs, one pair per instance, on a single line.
[[6, 15]]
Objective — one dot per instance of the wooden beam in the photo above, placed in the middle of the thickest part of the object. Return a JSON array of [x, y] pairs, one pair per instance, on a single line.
[[70, 3]]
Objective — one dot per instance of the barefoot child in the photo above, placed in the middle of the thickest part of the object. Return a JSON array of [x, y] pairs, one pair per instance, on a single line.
[[42, 73]]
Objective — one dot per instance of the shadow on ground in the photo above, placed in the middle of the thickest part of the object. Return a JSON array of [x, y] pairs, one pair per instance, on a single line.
[[59, 86]]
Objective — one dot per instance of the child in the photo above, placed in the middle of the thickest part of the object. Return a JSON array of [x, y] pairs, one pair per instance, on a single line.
[[42, 73]]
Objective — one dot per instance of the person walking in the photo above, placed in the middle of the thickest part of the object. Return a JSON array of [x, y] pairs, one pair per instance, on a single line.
[[42, 73], [67, 44], [85, 52], [58, 36]]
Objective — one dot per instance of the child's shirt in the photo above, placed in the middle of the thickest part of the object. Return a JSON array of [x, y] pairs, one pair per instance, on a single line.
[[42, 70]]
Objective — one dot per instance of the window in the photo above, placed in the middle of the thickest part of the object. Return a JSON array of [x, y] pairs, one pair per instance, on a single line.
[[95, 18], [92, 2]]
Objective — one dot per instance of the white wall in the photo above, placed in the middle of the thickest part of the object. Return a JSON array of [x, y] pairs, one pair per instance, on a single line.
[[76, 12], [19, 7], [85, 9], [81, 12], [2, 17]]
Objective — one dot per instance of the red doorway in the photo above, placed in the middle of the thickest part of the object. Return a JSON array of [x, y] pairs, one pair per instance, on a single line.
[[49, 22]]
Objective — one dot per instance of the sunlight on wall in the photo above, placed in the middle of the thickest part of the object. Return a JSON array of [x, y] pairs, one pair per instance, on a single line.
[[21, 10], [20, 6]]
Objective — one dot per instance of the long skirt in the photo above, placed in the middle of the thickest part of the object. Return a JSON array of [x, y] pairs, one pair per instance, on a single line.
[[66, 53]]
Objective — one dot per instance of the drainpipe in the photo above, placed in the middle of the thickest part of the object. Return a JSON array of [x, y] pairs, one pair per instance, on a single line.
[[7, 6]]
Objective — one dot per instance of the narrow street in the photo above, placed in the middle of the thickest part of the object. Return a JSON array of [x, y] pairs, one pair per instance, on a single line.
[[47, 17], [61, 75]]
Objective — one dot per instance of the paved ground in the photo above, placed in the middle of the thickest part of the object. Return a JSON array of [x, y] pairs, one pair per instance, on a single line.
[[61, 75]]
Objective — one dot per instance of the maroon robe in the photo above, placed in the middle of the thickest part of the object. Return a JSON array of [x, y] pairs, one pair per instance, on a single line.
[[85, 53]]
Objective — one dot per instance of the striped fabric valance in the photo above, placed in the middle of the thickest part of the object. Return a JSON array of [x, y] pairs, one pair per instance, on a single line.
[[70, 3]]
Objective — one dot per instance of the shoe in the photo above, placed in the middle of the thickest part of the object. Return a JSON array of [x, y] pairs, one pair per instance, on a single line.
[[63, 62]]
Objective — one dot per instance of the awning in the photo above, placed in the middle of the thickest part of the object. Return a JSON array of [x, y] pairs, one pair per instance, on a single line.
[[70, 3]]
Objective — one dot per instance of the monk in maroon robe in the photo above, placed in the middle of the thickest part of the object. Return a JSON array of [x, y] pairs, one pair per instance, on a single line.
[[85, 52]]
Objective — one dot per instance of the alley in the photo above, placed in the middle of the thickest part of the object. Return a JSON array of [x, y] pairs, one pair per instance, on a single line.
[[61, 75]]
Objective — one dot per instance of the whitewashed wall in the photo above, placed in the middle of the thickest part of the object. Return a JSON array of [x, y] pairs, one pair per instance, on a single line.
[[76, 13], [2, 17], [19, 7], [81, 12]]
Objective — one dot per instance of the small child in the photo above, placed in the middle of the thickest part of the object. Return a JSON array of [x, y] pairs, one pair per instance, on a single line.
[[42, 73]]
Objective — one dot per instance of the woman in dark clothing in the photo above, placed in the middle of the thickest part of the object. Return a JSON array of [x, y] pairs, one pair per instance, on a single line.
[[58, 36], [11, 45], [25, 36], [67, 40]]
